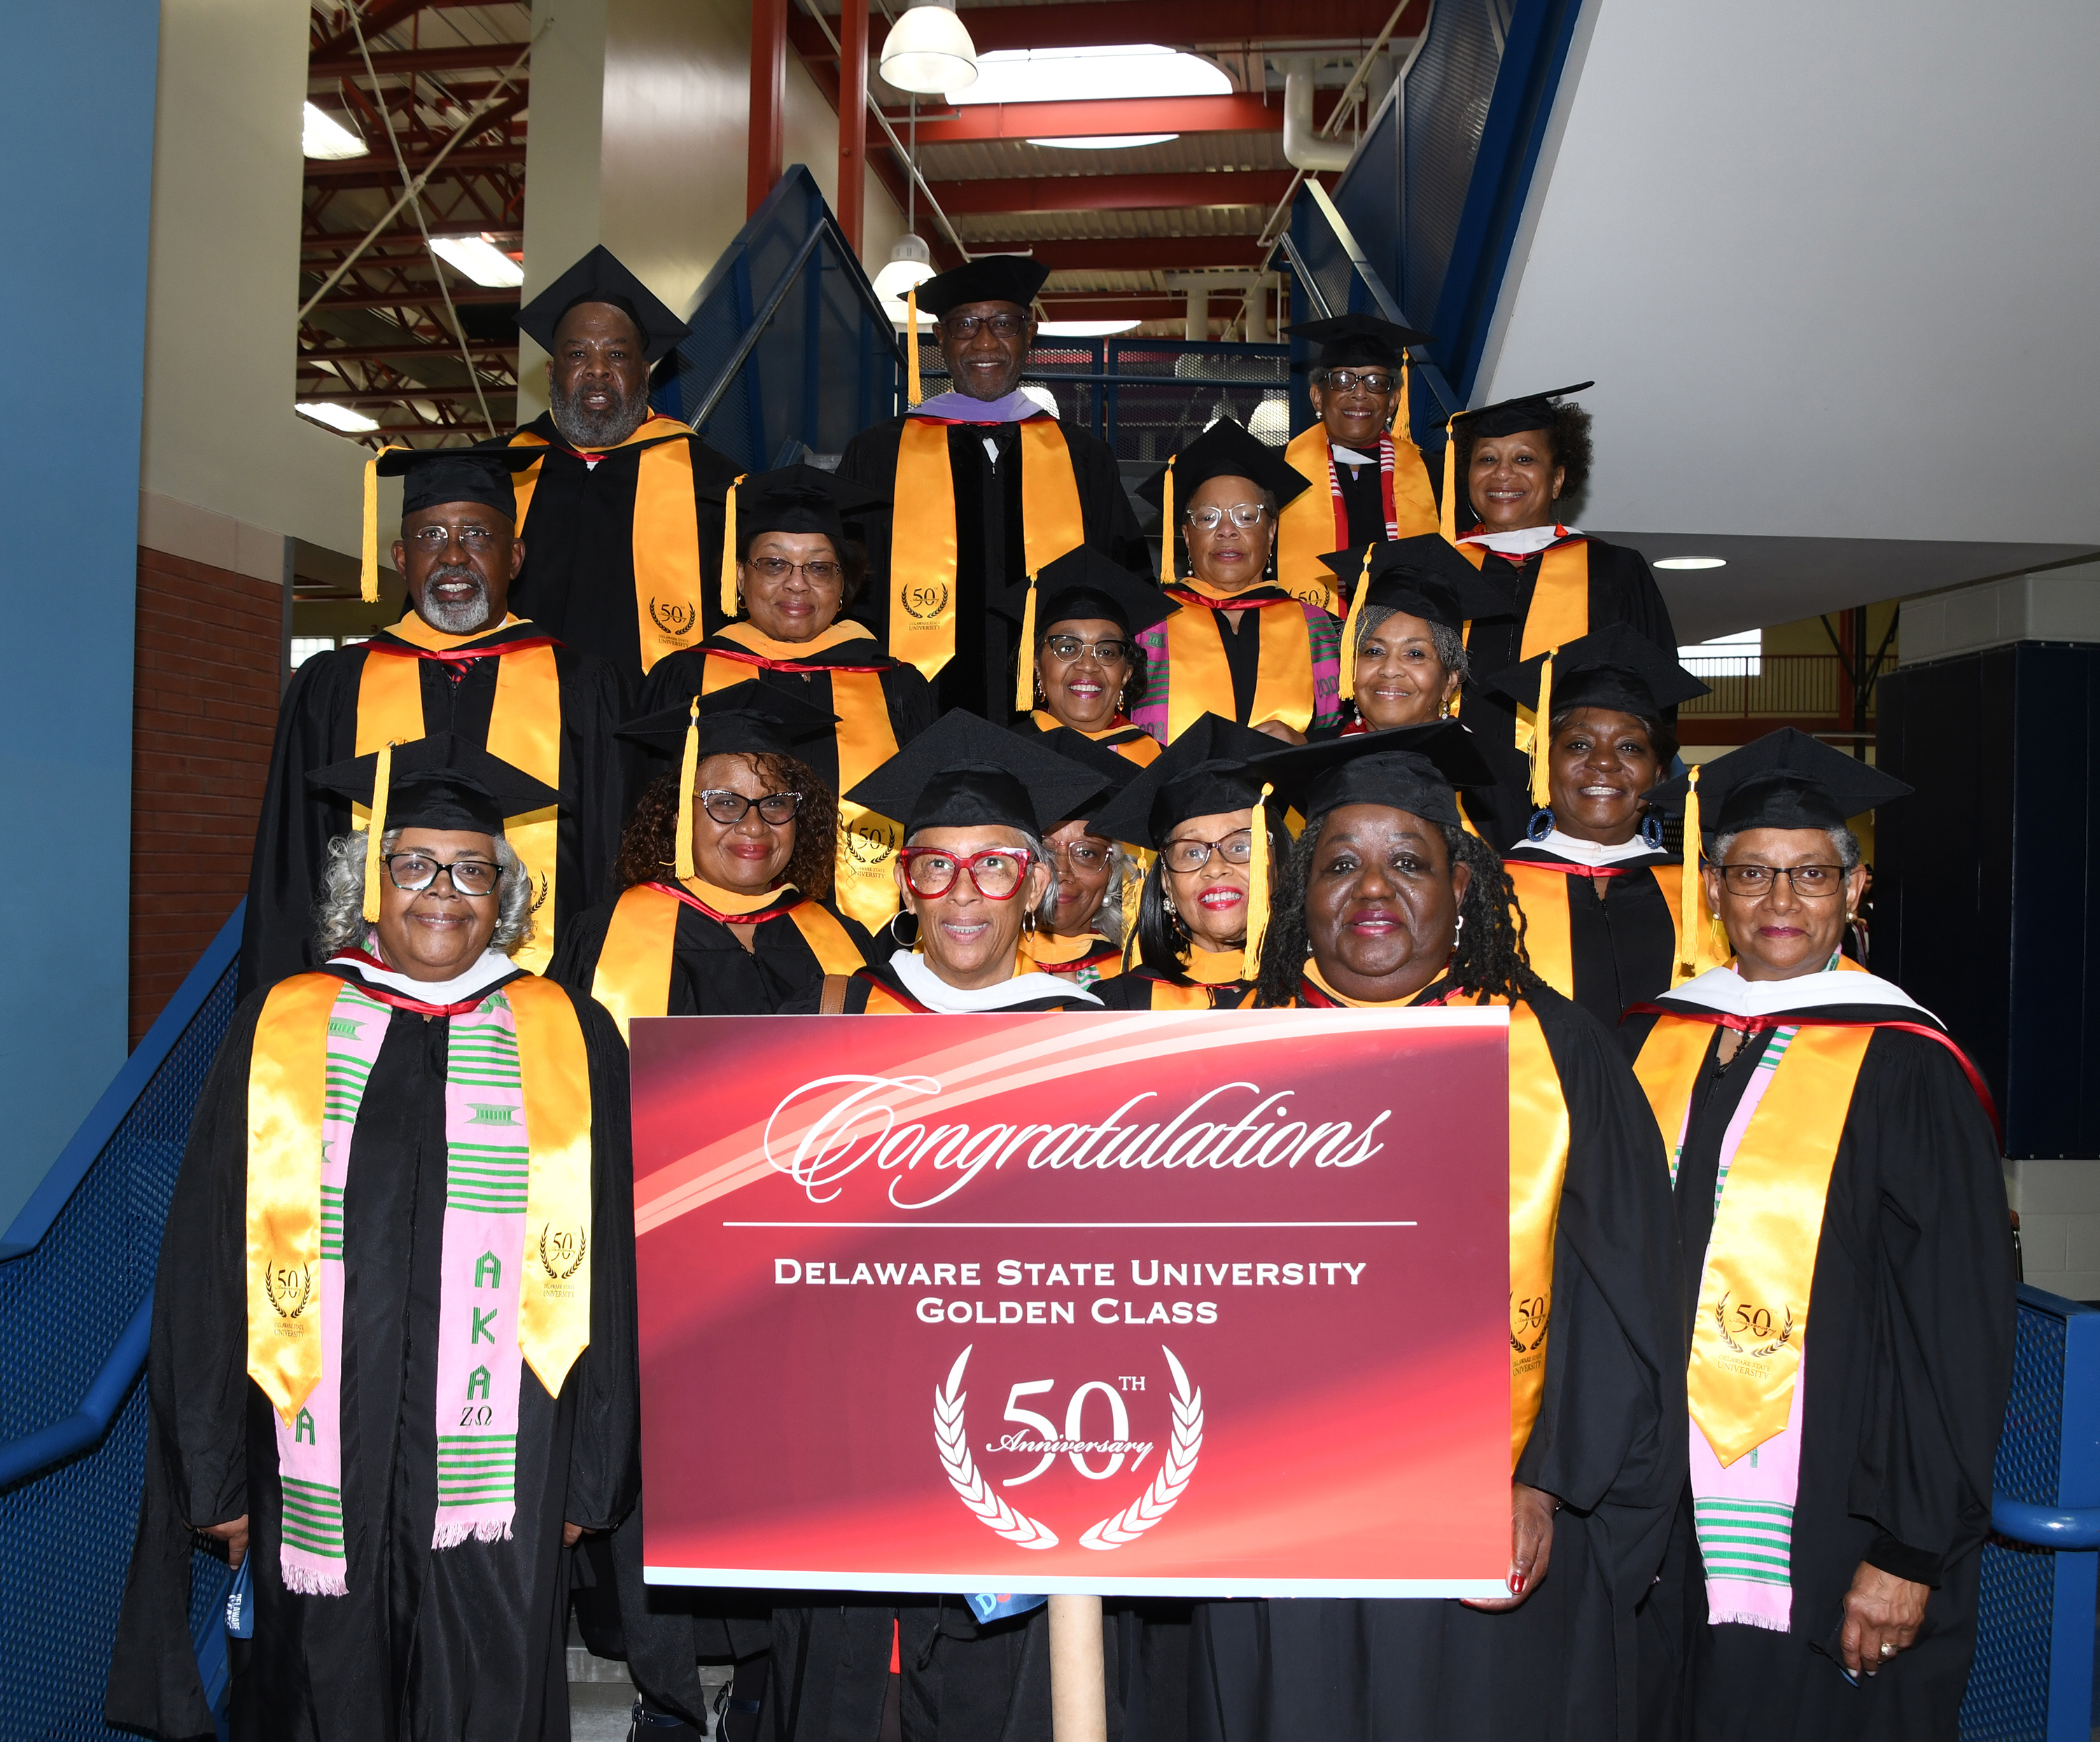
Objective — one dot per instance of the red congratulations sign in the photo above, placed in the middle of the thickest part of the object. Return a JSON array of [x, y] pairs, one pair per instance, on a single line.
[[1203, 1304]]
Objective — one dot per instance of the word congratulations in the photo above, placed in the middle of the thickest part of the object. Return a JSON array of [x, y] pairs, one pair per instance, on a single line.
[[862, 1125]]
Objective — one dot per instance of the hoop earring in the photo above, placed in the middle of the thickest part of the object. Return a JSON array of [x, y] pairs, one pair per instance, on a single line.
[[898, 938], [1541, 824], [1651, 831]]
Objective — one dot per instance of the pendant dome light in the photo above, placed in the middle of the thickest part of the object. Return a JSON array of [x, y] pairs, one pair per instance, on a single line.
[[929, 49]]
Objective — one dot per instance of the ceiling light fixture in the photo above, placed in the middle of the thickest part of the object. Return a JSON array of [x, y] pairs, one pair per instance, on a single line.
[[929, 50], [1692, 562], [480, 259], [1107, 141], [1070, 75], [322, 136], [1081, 328], [910, 265], [339, 418]]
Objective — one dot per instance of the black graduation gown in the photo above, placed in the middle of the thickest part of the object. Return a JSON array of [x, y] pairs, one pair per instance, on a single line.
[[906, 695], [578, 579], [317, 725], [1134, 989], [1607, 1442], [464, 1643], [1363, 499], [1913, 1300], [713, 975], [1622, 944], [879, 975], [991, 575]]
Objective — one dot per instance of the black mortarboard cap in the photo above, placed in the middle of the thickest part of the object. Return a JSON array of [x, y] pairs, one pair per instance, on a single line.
[[1533, 411], [1425, 576], [1412, 768], [1358, 338], [443, 781], [746, 719], [1115, 773], [801, 499], [964, 772], [1083, 583], [1784, 780], [599, 277], [1226, 450], [1207, 769], [1614, 667], [432, 477], [989, 278]]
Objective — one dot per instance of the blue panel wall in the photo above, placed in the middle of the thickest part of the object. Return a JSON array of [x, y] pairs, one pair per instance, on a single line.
[[77, 126]]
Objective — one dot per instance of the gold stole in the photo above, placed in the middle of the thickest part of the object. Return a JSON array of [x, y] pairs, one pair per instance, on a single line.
[[1559, 611], [524, 730], [668, 582], [882, 1003], [1746, 1344], [1311, 524], [922, 542], [1199, 678], [1543, 895], [1048, 954], [865, 884], [1137, 744], [287, 1079]]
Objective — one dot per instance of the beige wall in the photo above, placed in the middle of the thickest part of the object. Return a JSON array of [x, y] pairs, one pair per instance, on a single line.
[[220, 435]]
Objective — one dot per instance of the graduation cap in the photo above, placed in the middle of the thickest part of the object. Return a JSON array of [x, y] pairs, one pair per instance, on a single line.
[[1359, 339], [964, 772], [599, 277], [1412, 768], [746, 719], [1784, 780], [793, 499], [989, 278], [1225, 450], [431, 477], [1509, 417], [441, 781], [1114, 771], [1083, 584], [1425, 576]]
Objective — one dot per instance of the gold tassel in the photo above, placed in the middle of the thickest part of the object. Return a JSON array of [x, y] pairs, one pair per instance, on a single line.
[[1691, 894], [1024, 670], [367, 574], [1133, 893], [375, 831], [689, 773], [913, 393], [1447, 519], [728, 548], [1167, 523], [1257, 929], [1352, 626], [1403, 424], [1542, 738]]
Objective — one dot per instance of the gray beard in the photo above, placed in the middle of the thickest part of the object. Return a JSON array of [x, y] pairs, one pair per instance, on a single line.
[[581, 429], [462, 619]]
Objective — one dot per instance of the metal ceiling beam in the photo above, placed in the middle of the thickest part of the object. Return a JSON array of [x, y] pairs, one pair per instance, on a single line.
[[483, 351], [1102, 23], [372, 171], [417, 296], [1241, 111], [379, 16], [1097, 193], [458, 57], [1126, 253]]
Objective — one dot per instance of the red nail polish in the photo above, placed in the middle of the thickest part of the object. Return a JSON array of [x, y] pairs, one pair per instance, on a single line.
[[1516, 1585]]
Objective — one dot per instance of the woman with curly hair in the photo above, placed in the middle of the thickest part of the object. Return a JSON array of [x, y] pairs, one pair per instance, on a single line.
[[1518, 468], [725, 907], [1086, 670], [1385, 901]]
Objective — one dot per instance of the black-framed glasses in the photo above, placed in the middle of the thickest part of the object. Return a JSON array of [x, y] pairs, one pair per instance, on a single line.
[[1067, 649], [1190, 854], [1370, 380], [475, 539], [729, 808], [1244, 515], [995, 873], [415, 872], [966, 327], [822, 572], [1812, 883]]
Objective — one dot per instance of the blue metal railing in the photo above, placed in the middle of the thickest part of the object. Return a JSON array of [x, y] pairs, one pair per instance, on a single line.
[[76, 1280]]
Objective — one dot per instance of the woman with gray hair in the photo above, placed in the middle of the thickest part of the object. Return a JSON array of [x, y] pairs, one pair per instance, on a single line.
[[1094, 903], [1830, 1145]]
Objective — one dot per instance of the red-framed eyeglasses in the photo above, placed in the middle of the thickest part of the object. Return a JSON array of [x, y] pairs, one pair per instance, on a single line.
[[995, 873]]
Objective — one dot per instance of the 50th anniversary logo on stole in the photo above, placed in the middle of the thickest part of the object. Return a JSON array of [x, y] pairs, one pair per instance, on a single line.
[[1195, 1303]]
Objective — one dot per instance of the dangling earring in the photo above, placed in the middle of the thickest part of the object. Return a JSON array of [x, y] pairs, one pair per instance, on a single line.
[[1651, 831], [1541, 824], [1458, 931]]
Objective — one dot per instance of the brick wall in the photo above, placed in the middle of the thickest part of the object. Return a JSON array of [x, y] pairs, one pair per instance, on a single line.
[[203, 709]]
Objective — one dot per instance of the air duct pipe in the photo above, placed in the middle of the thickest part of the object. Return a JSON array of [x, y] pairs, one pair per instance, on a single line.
[[1302, 147]]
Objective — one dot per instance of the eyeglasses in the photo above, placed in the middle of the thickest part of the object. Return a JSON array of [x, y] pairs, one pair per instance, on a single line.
[[1082, 856], [995, 873], [475, 539], [1206, 518], [414, 872], [1187, 855], [967, 326], [1814, 882], [818, 573], [1067, 649], [1348, 380], [729, 808]]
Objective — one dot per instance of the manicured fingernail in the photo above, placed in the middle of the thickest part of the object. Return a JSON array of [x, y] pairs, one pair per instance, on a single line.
[[1516, 1585]]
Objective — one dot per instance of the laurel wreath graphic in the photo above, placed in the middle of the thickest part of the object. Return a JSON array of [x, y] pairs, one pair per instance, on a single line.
[[1721, 1324], [552, 1270], [970, 1487], [1157, 1500]]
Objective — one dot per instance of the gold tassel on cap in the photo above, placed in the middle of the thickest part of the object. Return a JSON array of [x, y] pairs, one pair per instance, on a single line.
[[1691, 894], [1024, 670], [368, 568], [913, 393], [1542, 738], [728, 548], [1257, 929], [375, 832], [1447, 518], [689, 772], [1352, 626], [1167, 523], [1401, 421]]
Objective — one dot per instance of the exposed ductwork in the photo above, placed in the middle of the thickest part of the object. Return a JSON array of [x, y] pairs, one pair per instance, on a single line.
[[1303, 147]]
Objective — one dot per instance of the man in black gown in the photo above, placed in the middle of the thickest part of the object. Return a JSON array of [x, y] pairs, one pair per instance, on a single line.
[[970, 572]]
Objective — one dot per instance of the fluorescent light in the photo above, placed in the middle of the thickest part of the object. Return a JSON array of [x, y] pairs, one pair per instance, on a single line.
[[1081, 328], [1107, 141], [336, 417], [480, 259], [1067, 75], [1690, 562], [929, 50], [322, 135]]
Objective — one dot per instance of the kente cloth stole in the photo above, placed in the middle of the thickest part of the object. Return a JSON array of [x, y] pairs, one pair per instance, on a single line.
[[864, 881], [1198, 678], [524, 730], [633, 974], [1543, 893], [514, 1275], [1315, 514], [1559, 609], [922, 546], [668, 585]]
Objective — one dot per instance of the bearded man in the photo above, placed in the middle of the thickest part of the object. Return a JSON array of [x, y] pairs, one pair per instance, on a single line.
[[459, 661], [624, 505]]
